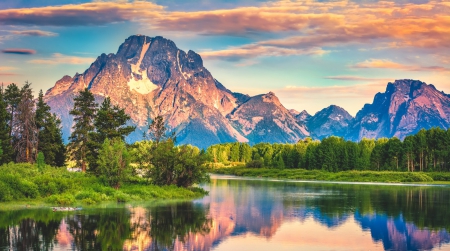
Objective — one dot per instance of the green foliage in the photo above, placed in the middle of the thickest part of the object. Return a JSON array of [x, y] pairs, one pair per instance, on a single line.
[[110, 123], [65, 199], [114, 162], [181, 166], [6, 149], [428, 150], [84, 111], [353, 176], [255, 164], [50, 136], [57, 186], [40, 160]]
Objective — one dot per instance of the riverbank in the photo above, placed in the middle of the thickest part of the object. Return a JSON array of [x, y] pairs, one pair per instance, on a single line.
[[25, 184], [350, 176]]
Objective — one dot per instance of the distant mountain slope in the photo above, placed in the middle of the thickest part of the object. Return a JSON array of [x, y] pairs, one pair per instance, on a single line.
[[264, 119], [405, 108], [330, 121]]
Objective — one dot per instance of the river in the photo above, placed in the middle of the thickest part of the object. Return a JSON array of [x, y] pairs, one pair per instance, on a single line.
[[248, 214]]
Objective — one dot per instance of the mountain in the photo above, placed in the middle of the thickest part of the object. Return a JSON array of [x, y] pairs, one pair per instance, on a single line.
[[150, 77], [406, 107], [264, 119], [330, 121]]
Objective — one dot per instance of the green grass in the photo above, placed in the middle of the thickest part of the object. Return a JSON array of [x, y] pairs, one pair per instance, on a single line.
[[25, 184], [351, 176]]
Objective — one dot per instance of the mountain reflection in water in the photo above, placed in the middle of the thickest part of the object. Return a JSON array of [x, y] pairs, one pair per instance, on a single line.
[[248, 214]]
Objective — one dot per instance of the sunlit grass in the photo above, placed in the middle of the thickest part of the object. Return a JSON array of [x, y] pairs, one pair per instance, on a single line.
[[352, 176]]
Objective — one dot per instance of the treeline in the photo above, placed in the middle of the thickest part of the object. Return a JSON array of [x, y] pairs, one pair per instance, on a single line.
[[30, 133], [27, 128], [428, 150]]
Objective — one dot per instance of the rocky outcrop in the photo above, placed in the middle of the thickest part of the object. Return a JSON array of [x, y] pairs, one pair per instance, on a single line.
[[330, 121], [150, 77], [264, 119], [406, 107]]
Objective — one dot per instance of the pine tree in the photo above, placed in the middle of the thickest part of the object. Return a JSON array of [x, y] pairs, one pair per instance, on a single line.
[[50, 137], [12, 98], [5, 139], [84, 111], [110, 123], [26, 131]]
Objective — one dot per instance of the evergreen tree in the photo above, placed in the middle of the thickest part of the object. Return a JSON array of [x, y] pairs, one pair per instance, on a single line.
[[84, 111], [26, 131], [50, 136], [5, 139], [110, 123], [12, 98]]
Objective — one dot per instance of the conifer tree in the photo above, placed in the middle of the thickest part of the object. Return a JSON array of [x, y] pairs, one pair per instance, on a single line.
[[5, 139], [12, 98], [50, 137], [110, 123], [25, 128], [84, 111]]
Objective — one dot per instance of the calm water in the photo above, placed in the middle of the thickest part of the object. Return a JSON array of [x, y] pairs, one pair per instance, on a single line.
[[248, 215]]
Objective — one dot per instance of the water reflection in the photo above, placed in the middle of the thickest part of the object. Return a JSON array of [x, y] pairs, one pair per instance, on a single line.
[[240, 214]]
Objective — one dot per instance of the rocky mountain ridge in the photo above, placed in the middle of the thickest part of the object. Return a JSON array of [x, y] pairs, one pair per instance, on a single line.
[[150, 76]]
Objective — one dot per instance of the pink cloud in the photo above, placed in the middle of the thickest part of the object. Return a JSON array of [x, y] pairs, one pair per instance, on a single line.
[[58, 58]]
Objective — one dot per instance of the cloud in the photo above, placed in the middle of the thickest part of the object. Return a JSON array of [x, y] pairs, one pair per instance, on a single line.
[[5, 71], [387, 64], [355, 78], [257, 50], [7, 68], [95, 13], [19, 51], [58, 58], [37, 33]]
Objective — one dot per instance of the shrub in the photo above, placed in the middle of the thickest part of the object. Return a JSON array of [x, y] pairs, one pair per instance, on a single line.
[[61, 199], [255, 164], [5, 192]]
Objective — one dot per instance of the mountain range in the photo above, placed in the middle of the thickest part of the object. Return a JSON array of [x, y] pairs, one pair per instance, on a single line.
[[150, 76]]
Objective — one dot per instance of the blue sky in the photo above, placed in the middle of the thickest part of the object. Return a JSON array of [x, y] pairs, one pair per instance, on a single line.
[[310, 53]]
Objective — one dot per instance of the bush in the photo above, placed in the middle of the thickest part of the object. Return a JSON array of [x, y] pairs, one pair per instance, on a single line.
[[255, 164], [5, 192], [61, 199]]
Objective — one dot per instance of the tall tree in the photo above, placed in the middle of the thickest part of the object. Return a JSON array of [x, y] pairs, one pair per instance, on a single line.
[[110, 123], [27, 133], [84, 111], [50, 141], [12, 98], [5, 139]]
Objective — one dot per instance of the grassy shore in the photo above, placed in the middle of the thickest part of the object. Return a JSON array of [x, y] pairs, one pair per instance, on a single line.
[[25, 184], [351, 176]]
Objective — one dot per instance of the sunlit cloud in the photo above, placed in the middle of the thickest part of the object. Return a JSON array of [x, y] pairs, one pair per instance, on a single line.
[[312, 23], [19, 51], [36, 33], [95, 13], [355, 78], [387, 64], [257, 50], [7, 68], [58, 58]]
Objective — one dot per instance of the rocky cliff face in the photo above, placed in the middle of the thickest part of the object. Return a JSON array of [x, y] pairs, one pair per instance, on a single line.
[[150, 77], [264, 119], [406, 107], [330, 121]]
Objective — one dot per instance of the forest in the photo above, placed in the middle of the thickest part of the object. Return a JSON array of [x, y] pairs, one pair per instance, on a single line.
[[426, 151]]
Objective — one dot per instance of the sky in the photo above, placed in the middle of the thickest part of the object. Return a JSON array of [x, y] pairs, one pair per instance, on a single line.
[[310, 53]]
